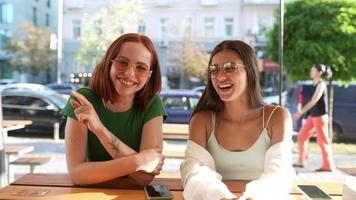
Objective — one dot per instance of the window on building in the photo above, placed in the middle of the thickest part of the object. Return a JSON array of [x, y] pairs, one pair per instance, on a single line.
[[164, 28], [209, 26], [34, 16], [163, 3], [77, 28], [209, 2], [141, 29], [6, 13], [187, 25], [5, 36], [47, 20], [48, 3], [229, 26], [75, 4]]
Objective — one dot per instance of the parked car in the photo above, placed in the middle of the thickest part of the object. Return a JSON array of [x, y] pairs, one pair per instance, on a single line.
[[28, 86], [23, 86], [199, 90], [344, 113], [179, 105], [273, 98], [63, 88], [42, 107], [7, 81], [269, 96]]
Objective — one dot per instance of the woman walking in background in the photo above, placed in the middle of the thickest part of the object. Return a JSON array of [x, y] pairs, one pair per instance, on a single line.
[[317, 120]]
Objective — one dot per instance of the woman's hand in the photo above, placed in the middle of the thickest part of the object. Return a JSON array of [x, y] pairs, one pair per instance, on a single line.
[[150, 160], [85, 113]]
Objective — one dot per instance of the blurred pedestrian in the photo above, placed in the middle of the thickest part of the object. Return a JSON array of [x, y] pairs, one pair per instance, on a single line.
[[316, 110]]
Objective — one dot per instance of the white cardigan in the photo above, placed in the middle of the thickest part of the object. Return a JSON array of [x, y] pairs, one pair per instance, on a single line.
[[201, 181]]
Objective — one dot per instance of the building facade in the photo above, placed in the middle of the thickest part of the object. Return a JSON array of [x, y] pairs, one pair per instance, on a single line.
[[167, 22], [42, 13]]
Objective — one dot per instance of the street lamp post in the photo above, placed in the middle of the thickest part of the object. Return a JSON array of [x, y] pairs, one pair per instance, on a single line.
[[59, 41], [280, 55]]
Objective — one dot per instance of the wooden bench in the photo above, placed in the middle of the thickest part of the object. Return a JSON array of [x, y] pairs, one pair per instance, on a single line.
[[32, 161], [173, 154], [175, 131], [12, 152]]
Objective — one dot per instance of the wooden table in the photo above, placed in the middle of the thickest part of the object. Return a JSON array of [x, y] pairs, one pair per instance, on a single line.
[[74, 193], [53, 183], [175, 131], [63, 180], [9, 125], [16, 122], [17, 192], [17, 150]]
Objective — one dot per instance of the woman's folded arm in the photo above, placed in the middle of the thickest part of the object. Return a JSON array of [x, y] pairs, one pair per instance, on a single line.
[[199, 178]]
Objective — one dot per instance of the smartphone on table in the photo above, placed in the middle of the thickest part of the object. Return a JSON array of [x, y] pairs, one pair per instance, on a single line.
[[314, 193], [158, 192]]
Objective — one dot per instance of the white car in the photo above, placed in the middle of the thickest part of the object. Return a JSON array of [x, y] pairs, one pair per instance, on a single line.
[[199, 90], [27, 86]]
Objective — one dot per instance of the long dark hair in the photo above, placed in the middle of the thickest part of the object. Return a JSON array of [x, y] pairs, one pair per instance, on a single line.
[[210, 99], [101, 82]]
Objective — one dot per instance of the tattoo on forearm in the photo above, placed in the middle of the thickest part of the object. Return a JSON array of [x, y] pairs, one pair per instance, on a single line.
[[114, 143]]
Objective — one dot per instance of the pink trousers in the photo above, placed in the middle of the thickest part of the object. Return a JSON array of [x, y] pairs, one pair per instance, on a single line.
[[319, 125]]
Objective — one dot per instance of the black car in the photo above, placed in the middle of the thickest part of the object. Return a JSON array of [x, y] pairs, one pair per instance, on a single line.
[[42, 107], [344, 113]]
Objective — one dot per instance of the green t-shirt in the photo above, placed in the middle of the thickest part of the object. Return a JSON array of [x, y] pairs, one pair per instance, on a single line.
[[127, 126]]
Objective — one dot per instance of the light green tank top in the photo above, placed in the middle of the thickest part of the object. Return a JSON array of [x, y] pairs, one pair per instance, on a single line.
[[240, 165]]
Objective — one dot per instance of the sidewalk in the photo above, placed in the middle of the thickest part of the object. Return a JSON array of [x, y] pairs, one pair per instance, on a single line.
[[58, 163], [314, 162]]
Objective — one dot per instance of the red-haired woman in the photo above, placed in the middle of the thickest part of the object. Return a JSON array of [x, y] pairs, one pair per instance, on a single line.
[[114, 127]]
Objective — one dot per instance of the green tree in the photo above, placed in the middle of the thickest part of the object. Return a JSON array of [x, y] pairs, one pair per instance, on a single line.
[[102, 28], [29, 49], [318, 31]]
